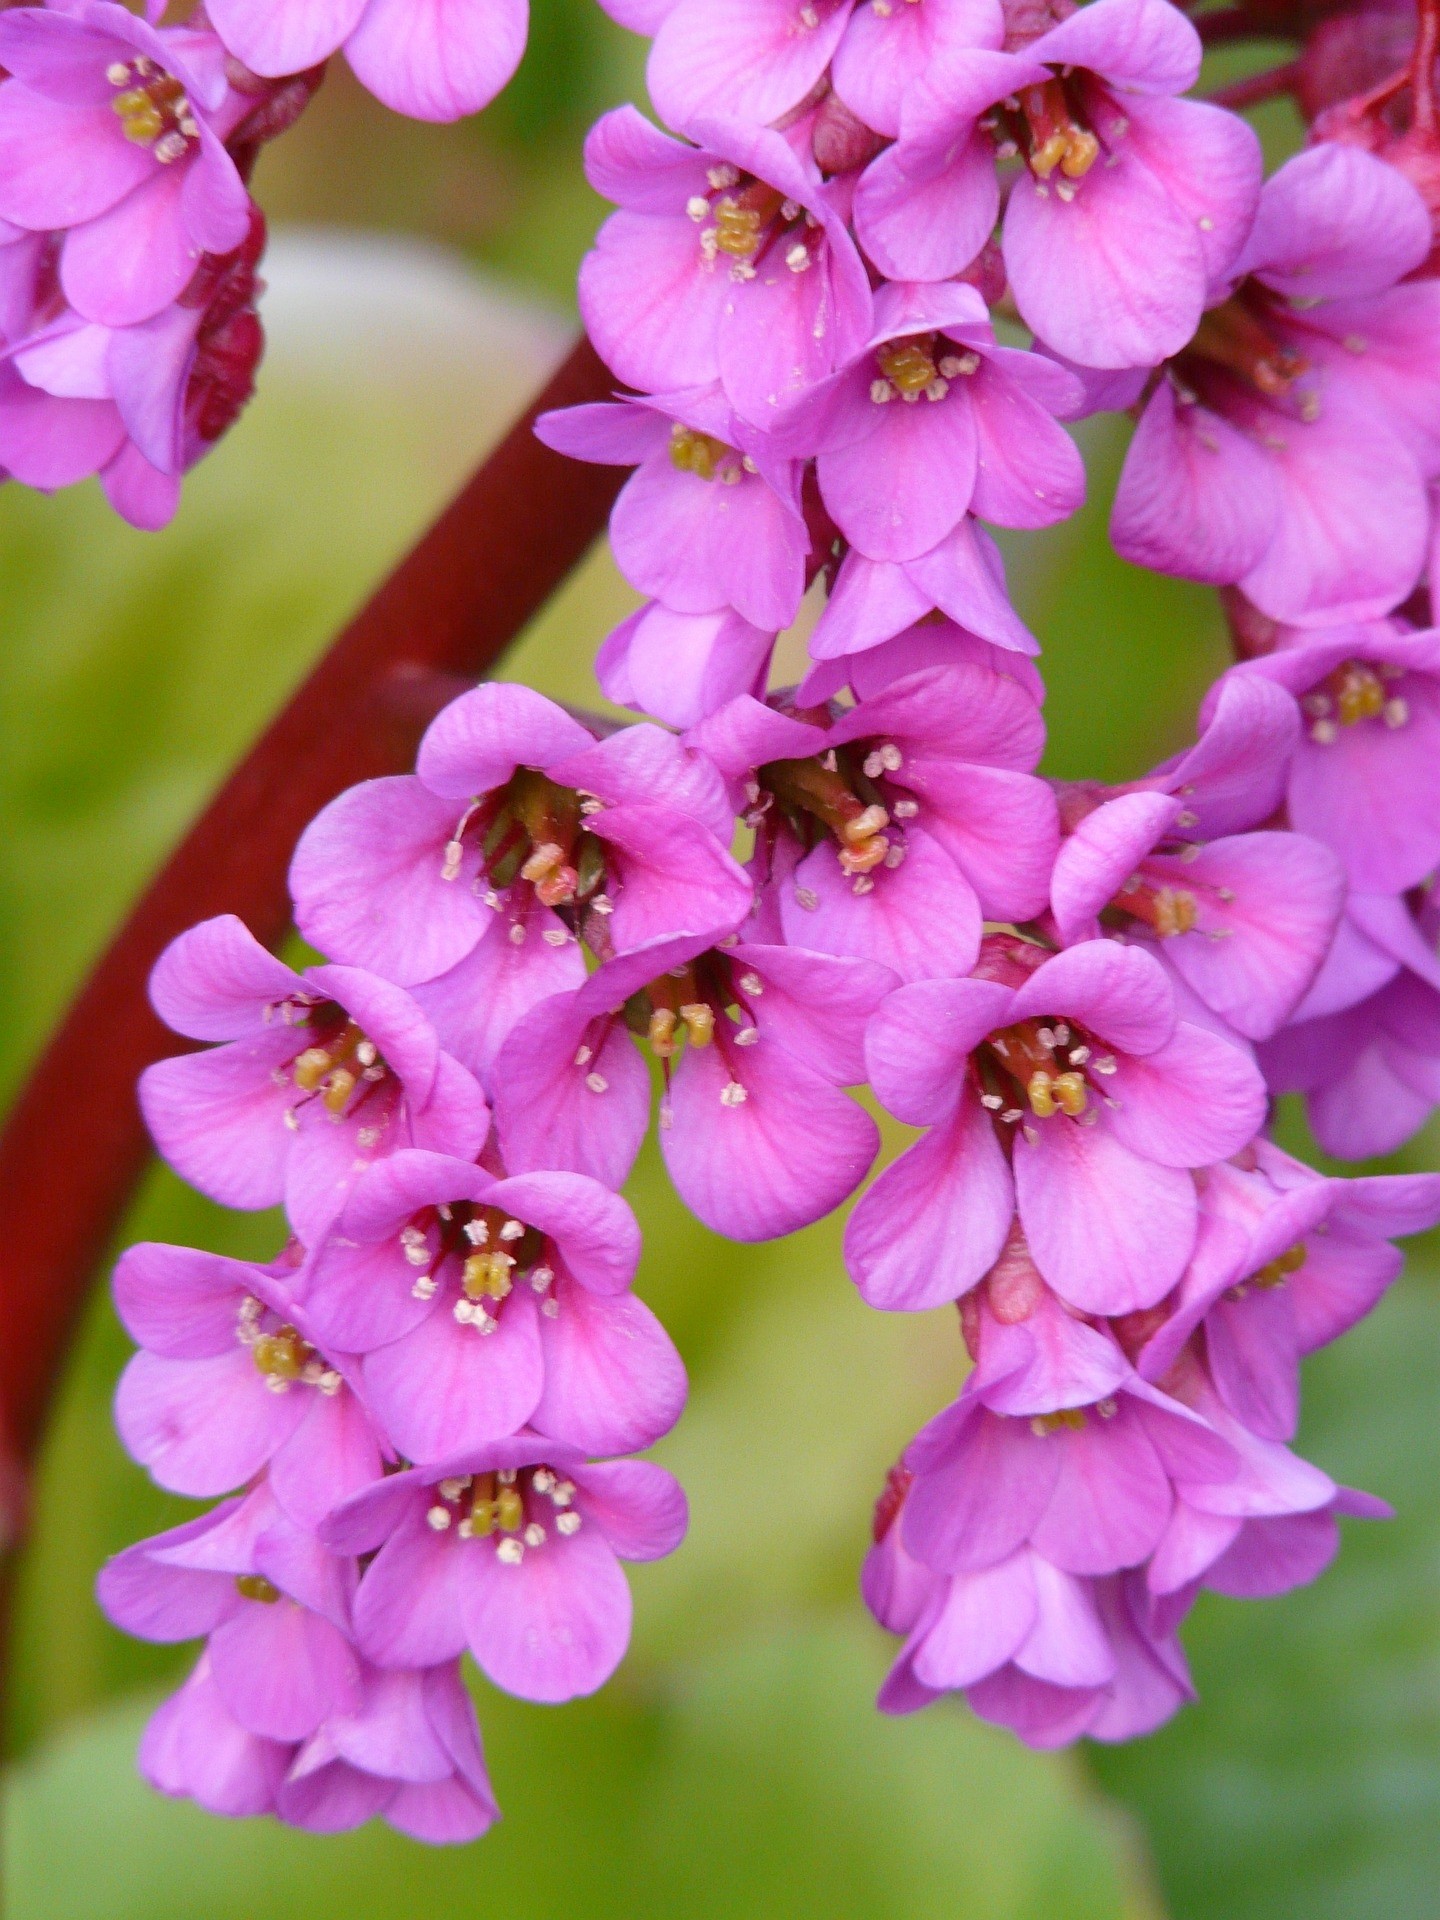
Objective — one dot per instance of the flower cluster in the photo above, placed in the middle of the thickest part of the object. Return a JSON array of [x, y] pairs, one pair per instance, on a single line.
[[129, 244], [1083, 996]]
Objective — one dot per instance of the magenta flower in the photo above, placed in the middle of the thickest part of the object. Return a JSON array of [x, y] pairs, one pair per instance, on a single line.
[[755, 59], [231, 1381], [886, 48], [1269, 1526], [273, 1602], [962, 578], [1364, 1047], [1361, 778], [936, 642], [139, 405], [1244, 921], [431, 59], [1062, 1086], [319, 1074], [932, 421], [484, 1305], [728, 261], [519, 834], [710, 520], [681, 667], [112, 131], [1285, 1262], [409, 1750], [513, 1551], [890, 833], [1288, 446], [1128, 205], [1234, 777], [756, 1134]]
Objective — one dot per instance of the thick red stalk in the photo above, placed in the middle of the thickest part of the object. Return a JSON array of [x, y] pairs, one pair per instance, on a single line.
[[75, 1145]]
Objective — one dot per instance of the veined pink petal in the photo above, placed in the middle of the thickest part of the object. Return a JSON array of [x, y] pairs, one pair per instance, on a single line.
[[437, 59]]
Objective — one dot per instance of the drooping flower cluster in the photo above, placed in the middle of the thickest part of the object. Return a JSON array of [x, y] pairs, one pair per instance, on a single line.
[[129, 244], [1083, 996]]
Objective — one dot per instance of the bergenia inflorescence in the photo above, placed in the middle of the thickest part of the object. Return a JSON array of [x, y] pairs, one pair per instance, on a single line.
[[851, 293]]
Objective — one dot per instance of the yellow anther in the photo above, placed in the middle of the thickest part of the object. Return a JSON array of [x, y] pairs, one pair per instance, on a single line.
[[1082, 150], [699, 1024], [509, 1510], [544, 860], [1049, 154], [487, 1275], [866, 857], [698, 453], [1071, 1094], [865, 825], [1174, 911], [737, 228], [907, 365], [311, 1068], [254, 1586], [338, 1089], [281, 1355], [1072, 1418], [1040, 1091], [661, 1033], [1359, 694], [1279, 1269]]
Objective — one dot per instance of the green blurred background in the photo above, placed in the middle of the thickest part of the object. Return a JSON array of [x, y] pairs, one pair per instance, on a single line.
[[420, 289]]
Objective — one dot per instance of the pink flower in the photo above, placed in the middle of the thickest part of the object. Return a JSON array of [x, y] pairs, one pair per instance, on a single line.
[[887, 48], [1288, 446], [1129, 204], [1362, 775], [1285, 1262], [319, 1074], [728, 261], [933, 421], [682, 666], [520, 835], [755, 59], [1245, 921], [1364, 1047], [113, 131], [711, 520], [274, 1603], [231, 1381], [140, 404], [756, 1134], [408, 1750], [431, 59], [513, 1551], [484, 1305], [889, 833], [1066, 1088]]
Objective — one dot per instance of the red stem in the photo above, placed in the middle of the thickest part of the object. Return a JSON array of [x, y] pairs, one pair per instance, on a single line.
[[1259, 86], [1422, 67], [75, 1145]]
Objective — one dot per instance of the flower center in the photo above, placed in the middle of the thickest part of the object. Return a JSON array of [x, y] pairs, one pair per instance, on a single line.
[[741, 217], [920, 364], [1355, 691], [153, 109], [1273, 1274], [281, 1355], [531, 830], [1043, 1068], [484, 1252], [516, 1508], [341, 1067], [852, 794], [1049, 127], [706, 457]]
